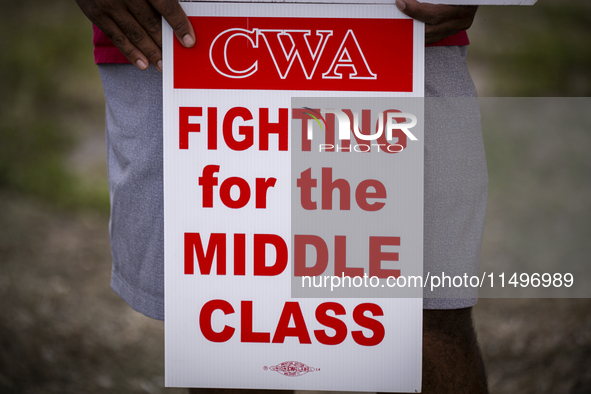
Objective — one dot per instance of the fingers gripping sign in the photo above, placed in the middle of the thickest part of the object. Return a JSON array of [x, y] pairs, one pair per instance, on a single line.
[[440, 20], [135, 26]]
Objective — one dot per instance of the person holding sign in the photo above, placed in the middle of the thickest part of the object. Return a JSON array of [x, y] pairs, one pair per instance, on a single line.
[[129, 31]]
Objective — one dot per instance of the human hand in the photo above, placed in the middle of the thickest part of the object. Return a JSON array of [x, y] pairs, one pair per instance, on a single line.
[[135, 26], [440, 20]]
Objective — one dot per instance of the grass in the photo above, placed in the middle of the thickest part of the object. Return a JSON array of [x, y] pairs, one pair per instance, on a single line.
[[51, 97], [533, 51]]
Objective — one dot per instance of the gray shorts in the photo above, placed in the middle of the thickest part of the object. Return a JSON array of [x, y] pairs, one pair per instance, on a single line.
[[456, 180]]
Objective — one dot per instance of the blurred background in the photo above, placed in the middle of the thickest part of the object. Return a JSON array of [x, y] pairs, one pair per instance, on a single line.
[[62, 330]]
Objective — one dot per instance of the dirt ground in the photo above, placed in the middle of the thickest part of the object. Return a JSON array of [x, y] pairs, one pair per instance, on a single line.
[[62, 330]]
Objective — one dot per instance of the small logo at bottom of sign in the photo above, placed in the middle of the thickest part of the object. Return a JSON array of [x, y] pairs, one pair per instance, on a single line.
[[291, 368]]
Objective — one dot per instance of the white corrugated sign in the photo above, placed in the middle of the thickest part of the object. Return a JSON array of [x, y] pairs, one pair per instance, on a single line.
[[230, 318]]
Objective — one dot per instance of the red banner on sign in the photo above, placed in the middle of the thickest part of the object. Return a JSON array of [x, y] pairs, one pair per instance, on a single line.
[[336, 54]]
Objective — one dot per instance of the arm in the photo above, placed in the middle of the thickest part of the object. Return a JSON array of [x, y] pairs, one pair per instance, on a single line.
[[440, 20], [135, 26]]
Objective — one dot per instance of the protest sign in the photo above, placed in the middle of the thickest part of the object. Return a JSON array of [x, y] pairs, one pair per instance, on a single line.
[[231, 320], [391, 2]]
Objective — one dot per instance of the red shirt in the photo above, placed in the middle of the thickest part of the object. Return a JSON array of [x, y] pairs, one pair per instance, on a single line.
[[106, 52]]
